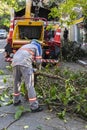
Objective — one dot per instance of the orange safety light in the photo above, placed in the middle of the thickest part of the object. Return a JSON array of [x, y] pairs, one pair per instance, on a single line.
[[57, 37]]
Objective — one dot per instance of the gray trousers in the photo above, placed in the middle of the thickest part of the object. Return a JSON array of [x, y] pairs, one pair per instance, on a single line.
[[27, 74]]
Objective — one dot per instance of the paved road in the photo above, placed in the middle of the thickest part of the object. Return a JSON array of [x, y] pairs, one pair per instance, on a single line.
[[44, 120], [3, 64]]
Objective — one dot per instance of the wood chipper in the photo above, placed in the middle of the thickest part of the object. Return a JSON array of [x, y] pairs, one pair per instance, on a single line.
[[27, 27]]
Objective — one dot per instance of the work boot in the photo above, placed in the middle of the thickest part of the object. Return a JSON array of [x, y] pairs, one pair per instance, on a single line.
[[37, 110], [17, 103]]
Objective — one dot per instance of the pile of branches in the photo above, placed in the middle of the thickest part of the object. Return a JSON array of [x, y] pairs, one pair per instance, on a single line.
[[63, 91], [72, 51]]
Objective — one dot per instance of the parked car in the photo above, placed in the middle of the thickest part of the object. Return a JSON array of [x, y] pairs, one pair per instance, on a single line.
[[3, 33]]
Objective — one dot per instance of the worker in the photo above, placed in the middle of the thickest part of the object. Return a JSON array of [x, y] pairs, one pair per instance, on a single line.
[[22, 67], [65, 35]]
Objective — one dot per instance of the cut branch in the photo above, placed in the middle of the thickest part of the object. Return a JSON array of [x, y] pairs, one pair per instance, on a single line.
[[5, 128], [49, 75]]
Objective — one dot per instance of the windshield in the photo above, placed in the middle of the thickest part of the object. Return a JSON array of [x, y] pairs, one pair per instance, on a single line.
[[1, 31]]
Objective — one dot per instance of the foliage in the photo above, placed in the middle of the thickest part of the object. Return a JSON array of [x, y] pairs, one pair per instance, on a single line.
[[71, 51], [14, 3], [67, 95], [1, 72], [24, 90], [5, 95], [53, 3], [9, 68], [5, 11], [49, 27], [70, 10], [5, 98], [20, 110]]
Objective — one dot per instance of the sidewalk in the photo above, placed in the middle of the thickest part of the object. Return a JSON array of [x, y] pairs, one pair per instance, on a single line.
[[38, 121], [44, 120]]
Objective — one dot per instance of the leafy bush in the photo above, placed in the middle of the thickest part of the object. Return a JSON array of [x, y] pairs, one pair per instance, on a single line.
[[71, 51], [66, 94]]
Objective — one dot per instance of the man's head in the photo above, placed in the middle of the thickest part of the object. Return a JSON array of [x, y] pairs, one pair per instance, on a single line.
[[37, 43]]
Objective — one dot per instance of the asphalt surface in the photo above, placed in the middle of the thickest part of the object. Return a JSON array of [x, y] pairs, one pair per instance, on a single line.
[[45, 120], [3, 64]]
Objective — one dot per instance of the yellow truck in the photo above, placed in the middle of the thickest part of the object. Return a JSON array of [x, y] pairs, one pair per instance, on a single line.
[[30, 26]]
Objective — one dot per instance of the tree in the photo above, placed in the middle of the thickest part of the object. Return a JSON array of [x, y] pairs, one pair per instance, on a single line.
[[52, 3], [5, 11], [69, 10]]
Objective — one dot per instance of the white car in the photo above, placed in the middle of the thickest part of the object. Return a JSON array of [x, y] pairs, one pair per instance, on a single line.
[[3, 33]]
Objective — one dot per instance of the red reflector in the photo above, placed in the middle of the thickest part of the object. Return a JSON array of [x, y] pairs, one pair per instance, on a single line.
[[14, 51], [47, 52]]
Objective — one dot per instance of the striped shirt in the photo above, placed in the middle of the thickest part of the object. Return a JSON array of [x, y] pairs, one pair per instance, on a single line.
[[27, 54]]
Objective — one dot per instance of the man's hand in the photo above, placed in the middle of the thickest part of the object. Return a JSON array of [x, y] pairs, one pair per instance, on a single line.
[[35, 70], [38, 66]]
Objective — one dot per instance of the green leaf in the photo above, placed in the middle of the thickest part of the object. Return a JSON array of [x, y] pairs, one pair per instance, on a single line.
[[1, 72], [85, 90], [47, 118], [61, 115], [23, 88], [6, 96], [26, 127], [53, 91], [5, 80], [78, 107], [18, 114], [39, 127], [8, 103], [86, 126], [2, 99], [20, 110], [5, 129], [9, 68]]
